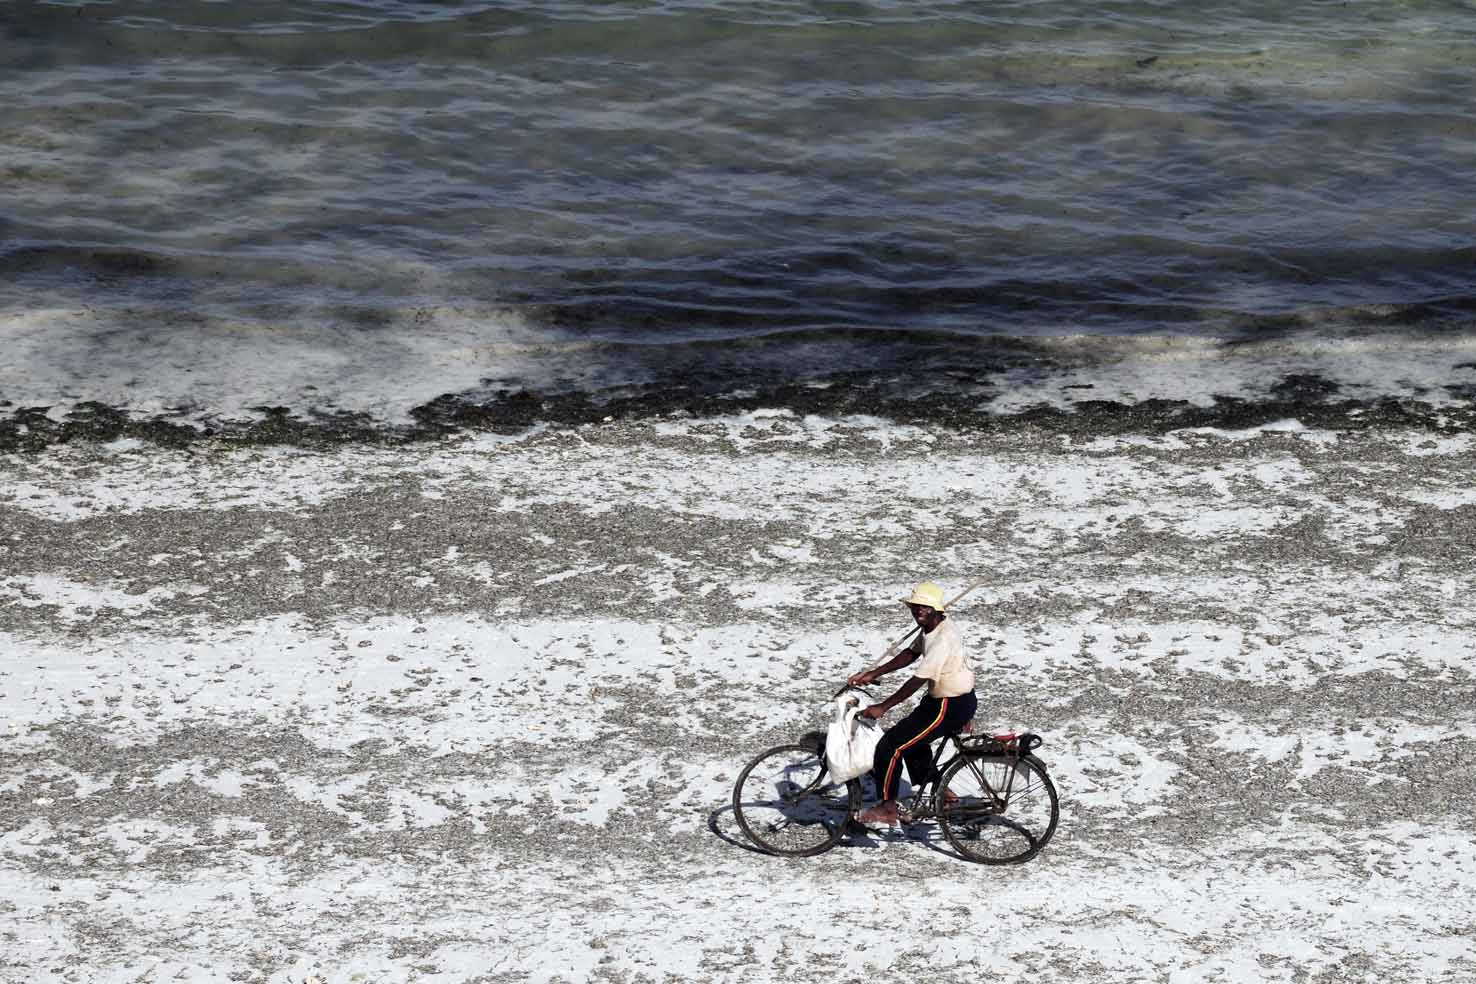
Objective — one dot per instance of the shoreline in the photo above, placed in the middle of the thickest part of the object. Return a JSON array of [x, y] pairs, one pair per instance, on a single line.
[[1307, 399]]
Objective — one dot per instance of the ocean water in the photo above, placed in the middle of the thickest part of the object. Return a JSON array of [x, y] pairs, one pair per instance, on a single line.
[[371, 206]]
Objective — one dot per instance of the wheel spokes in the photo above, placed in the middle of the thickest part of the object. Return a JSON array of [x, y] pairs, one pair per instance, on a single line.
[[1004, 809], [787, 805]]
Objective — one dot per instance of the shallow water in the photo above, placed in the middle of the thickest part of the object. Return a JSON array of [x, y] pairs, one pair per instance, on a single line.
[[368, 205]]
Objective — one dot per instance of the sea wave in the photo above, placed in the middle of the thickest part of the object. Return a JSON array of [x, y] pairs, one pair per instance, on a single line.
[[461, 367]]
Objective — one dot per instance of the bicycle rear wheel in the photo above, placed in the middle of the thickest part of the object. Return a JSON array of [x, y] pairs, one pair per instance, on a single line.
[[786, 803], [1006, 808]]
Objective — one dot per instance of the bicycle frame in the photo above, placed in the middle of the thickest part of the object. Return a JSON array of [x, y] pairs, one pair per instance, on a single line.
[[920, 805]]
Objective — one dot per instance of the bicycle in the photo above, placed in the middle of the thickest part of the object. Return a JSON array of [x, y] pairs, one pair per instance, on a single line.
[[993, 798]]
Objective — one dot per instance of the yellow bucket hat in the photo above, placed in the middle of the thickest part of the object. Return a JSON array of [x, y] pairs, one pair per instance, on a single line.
[[926, 593]]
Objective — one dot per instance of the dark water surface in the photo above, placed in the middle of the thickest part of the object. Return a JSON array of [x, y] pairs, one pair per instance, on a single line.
[[368, 205]]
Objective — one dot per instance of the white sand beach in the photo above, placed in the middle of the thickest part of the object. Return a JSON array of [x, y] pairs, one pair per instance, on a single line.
[[471, 711]]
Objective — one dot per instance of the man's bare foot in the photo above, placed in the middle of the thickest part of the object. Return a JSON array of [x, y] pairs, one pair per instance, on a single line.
[[880, 813]]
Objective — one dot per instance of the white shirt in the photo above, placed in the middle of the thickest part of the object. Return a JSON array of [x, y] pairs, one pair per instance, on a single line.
[[944, 663]]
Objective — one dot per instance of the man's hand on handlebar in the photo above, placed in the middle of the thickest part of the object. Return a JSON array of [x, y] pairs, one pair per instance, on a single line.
[[874, 712], [861, 679]]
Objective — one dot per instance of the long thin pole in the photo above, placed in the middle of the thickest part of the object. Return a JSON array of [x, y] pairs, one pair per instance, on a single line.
[[896, 647]]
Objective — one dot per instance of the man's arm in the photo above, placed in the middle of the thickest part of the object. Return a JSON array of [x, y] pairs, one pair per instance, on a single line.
[[903, 692]]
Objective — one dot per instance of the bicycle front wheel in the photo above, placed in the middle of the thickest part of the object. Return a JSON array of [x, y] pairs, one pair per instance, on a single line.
[[787, 804], [998, 810]]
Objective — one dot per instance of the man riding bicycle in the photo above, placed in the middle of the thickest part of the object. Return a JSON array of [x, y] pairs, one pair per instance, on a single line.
[[947, 707]]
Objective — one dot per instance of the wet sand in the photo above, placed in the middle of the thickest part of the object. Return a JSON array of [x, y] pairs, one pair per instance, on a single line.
[[470, 710]]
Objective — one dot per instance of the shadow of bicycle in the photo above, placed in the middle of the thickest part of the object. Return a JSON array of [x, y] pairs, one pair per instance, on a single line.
[[728, 831], [722, 823]]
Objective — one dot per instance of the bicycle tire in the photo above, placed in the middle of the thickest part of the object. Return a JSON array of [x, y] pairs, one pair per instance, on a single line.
[[1006, 823], [784, 806]]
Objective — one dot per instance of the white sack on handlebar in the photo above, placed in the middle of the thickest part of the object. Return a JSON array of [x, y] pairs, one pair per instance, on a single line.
[[850, 741]]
